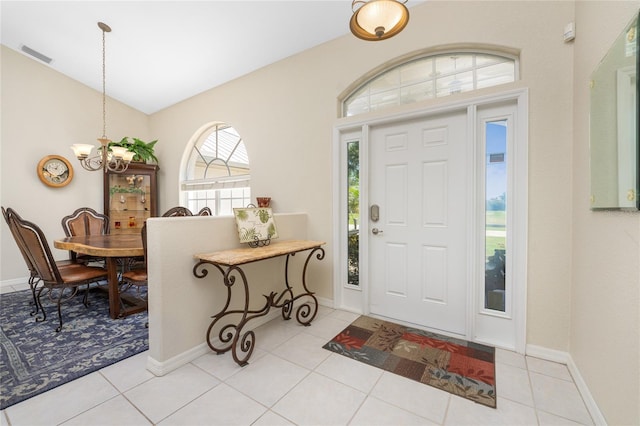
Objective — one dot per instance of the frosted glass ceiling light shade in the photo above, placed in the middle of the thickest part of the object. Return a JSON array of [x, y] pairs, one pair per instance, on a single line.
[[378, 19]]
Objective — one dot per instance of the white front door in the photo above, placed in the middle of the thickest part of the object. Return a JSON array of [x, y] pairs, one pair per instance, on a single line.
[[419, 246]]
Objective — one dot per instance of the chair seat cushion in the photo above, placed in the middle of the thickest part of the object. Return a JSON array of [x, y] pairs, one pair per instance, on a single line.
[[78, 273], [136, 276]]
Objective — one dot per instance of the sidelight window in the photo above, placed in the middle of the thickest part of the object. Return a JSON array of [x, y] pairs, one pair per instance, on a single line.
[[496, 204], [353, 212]]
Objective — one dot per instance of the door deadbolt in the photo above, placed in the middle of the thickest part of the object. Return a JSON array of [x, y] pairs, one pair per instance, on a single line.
[[376, 231], [374, 215]]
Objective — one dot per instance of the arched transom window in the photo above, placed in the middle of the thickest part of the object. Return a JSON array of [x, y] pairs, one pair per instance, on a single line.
[[430, 77], [217, 171]]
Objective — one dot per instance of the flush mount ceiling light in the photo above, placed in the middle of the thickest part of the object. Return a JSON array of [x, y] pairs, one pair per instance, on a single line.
[[378, 19]]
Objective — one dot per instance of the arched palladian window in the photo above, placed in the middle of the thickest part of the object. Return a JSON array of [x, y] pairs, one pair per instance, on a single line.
[[217, 173], [429, 77]]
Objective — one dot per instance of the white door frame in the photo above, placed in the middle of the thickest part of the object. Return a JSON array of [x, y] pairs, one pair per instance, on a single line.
[[356, 299]]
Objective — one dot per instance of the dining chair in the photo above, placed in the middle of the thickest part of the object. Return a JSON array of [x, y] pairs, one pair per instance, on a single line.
[[205, 211], [72, 276], [34, 279], [85, 221], [137, 277], [177, 211]]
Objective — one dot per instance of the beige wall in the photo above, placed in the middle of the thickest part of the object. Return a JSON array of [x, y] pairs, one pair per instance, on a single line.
[[285, 113], [582, 266], [181, 305], [44, 112], [605, 296]]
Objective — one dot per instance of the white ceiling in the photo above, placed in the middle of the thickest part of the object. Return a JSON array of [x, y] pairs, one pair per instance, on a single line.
[[162, 52]]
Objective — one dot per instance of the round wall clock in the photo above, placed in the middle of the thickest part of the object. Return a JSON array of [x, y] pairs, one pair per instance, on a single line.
[[55, 171]]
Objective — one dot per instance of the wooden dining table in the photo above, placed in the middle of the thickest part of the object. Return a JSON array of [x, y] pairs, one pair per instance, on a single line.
[[112, 247]]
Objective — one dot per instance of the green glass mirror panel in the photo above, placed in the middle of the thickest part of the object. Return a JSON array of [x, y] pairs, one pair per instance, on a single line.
[[614, 125]]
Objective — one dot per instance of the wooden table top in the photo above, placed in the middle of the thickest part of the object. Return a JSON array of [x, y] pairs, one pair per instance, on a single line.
[[244, 255], [110, 245]]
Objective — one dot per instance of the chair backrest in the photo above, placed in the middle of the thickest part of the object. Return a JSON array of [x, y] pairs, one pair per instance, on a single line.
[[177, 211], [36, 248], [205, 211], [85, 221], [8, 213], [143, 234]]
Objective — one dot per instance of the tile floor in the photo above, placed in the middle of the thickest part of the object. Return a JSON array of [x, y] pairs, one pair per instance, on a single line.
[[291, 380]]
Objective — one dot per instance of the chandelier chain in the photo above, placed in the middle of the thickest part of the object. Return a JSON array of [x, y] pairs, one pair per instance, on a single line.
[[114, 159], [104, 88]]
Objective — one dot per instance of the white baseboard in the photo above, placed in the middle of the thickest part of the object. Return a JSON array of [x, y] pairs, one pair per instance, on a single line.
[[10, 285], [160, 368], [328, 303], [548, 354], [565, 358], [595, 412]]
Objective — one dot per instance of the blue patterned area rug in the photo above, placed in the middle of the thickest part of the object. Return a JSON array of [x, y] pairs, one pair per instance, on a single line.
[[34, 358]]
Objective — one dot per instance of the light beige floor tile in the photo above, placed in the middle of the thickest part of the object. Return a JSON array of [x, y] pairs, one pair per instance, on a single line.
[[274, 333], [327, 328], [223, 366], [323, 311], [513, 383], [116, 411], [161, 396], [504, 356], [129, 372], [339, 391], [418, 398], [267, 379], [344, 316], [547, 419], [376, 412], [353, 373], [303, 349], [559, 397], [221, 405], [272, 419], [508, 413], [62, 403], [549, 368], [318, 400], [14, 287]]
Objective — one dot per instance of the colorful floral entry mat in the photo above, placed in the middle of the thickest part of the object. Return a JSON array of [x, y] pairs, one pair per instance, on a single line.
[[462, 368]]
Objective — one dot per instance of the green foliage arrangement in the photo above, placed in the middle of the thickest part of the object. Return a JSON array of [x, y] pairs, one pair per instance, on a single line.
[[144, 151]]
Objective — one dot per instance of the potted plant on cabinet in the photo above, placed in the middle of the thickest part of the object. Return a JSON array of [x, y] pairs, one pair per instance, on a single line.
[[144, 151]]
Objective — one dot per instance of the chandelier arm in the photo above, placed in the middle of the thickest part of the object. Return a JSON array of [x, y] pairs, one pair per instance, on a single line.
[[91, 164]]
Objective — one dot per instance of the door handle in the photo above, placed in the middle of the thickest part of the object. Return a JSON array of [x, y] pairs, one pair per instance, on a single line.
[[376, 231]]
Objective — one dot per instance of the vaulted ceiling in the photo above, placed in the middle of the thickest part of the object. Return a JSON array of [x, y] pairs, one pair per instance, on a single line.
[[162, 52]]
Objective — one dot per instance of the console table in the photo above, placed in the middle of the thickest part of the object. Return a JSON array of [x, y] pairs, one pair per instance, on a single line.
[[231, 335]]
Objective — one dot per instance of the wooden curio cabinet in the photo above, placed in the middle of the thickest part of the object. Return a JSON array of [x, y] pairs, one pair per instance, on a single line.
[[130, 197]]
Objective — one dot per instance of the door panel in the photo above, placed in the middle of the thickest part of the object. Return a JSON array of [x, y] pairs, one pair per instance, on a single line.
[[418, 262]]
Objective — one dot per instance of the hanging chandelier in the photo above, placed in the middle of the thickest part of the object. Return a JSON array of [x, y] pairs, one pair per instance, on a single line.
[[375, 20], [115, 158]]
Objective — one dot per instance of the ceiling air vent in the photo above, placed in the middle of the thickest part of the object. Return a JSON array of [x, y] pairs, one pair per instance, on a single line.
[[36, 54]]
